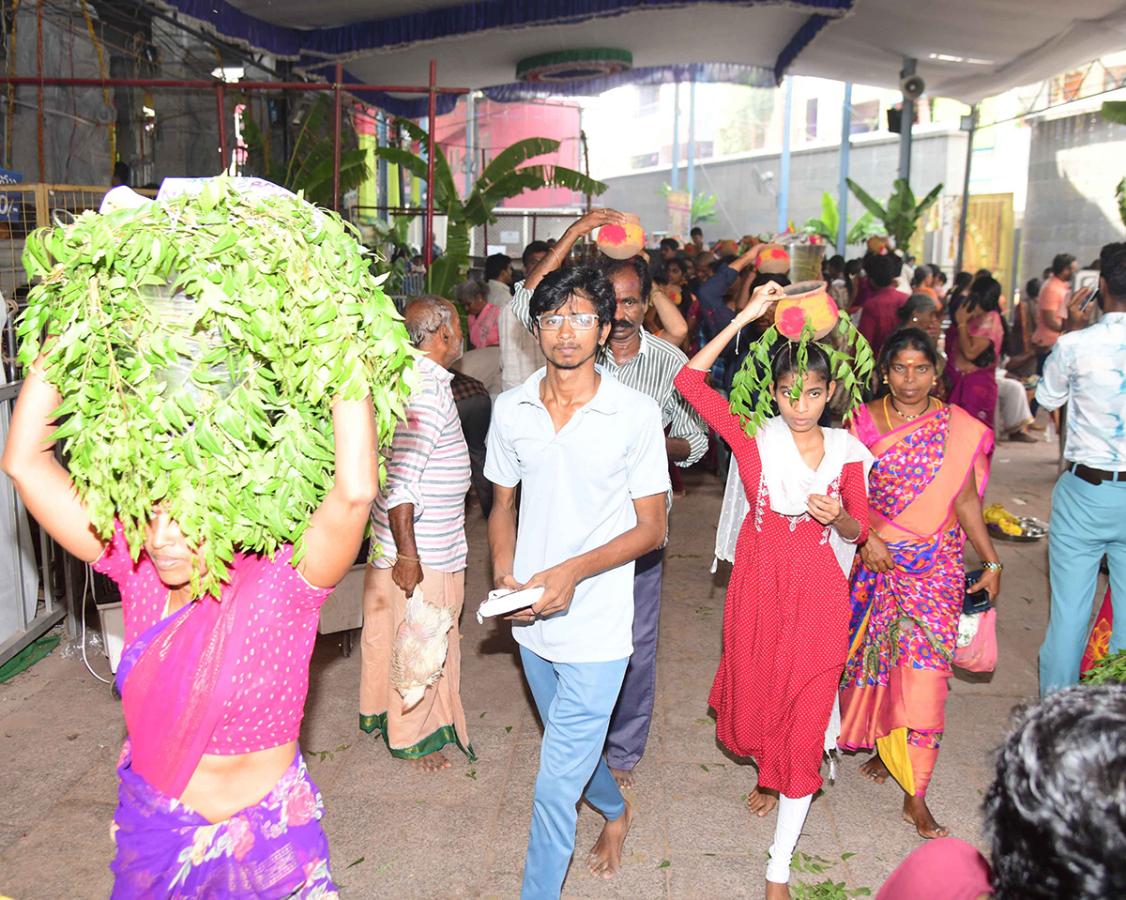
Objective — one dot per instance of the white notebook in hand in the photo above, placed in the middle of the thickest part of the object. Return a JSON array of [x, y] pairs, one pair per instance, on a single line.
[[504, 601]]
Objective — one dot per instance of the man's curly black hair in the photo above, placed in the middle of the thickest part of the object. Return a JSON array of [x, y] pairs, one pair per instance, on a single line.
[[1056, 812]]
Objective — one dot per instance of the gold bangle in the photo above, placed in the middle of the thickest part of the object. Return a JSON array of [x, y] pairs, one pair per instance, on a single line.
[[399, 556], [993, 566]]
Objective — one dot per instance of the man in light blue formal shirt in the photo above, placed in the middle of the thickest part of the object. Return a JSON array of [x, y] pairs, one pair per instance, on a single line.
[[1087, 371]]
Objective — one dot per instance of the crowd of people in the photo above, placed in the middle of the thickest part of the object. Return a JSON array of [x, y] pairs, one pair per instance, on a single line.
[[588, 384]]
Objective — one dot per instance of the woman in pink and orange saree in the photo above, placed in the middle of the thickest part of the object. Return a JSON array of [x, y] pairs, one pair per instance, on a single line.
[[924, 495]]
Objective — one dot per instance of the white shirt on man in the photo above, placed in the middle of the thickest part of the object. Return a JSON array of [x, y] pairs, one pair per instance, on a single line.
[[1087, 371], [577, 489], [520, 354]]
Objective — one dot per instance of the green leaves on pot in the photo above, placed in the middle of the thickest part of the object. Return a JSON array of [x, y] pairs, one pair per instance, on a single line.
[[850, 361], [198, 345]]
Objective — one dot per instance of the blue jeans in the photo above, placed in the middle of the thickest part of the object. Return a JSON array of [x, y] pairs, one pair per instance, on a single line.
[[574, 701], [1088, 520]]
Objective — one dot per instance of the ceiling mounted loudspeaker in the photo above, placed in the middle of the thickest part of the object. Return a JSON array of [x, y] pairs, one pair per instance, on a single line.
[[912, 86], [574, 65]]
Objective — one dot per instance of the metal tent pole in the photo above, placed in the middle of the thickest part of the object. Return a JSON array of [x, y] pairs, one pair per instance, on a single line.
[[906, 124], [428, 240], [221, 110], [784, 168], [970, 127], [690, 180], [337, 102], [842, 187], [675, 176]]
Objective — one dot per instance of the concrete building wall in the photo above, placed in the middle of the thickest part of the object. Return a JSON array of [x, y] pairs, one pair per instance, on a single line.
[[1071, 205], [746, 186]]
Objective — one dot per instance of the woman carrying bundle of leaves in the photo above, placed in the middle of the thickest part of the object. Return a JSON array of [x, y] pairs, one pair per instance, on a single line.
[[214, 796], [785, 623]]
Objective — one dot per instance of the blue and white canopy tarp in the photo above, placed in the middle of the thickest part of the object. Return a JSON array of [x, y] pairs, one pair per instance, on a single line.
[[967, 49]]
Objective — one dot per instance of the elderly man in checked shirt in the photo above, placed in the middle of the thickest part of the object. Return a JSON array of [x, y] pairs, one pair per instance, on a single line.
[[418, 540], [647, 364]]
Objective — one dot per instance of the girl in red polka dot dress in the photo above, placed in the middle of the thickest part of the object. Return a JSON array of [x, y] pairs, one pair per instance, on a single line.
[[785, 628]]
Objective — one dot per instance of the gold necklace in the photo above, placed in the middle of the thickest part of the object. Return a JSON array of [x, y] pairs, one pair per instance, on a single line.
[[902, 415]]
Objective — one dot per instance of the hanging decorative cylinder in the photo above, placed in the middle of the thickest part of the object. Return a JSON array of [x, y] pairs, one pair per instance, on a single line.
[[573, 65]]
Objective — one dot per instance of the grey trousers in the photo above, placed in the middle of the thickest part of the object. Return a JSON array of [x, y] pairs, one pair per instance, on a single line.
[[633, 714]]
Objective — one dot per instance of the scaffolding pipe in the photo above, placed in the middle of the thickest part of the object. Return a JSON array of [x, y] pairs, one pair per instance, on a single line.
[[336, 101], [428, 241], [159, 83], [221, 105], [39, 93]]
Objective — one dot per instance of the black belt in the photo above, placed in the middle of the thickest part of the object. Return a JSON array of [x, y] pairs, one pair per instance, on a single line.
[[1094, 476]]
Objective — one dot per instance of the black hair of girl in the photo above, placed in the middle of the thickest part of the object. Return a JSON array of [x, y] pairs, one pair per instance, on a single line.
[[904, 339], [784, 361], [986, 296]]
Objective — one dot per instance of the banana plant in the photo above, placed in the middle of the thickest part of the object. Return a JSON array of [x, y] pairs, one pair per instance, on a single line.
[[503, 178], [828, 225], [1115, 111], [309, 166], [902, 214]]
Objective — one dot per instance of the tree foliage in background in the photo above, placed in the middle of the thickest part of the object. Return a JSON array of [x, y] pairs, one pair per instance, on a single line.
[[1115, 111], [901, 214], [198, 344], [309, 167], [503, 178], [828, 225]]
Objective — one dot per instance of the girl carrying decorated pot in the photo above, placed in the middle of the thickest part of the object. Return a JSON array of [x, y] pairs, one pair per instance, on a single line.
[[785, 629]]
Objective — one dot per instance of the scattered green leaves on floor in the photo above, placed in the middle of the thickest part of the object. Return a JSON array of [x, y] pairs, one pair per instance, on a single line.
[[1108, 670], [354, 862], [508, 729], [324, 755], [472, 773], [664, 864], [826, 889]]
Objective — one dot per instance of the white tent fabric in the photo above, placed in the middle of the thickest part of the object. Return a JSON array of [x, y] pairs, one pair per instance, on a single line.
[[966, 49]]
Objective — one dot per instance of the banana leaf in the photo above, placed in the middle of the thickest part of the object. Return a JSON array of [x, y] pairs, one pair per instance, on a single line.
[[867, 200]]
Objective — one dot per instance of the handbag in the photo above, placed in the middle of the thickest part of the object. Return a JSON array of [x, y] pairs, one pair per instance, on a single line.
[[978, 601], [980, 654], [977, 629]]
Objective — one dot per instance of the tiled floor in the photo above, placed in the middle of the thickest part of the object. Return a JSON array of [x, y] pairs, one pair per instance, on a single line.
[[396, 832]]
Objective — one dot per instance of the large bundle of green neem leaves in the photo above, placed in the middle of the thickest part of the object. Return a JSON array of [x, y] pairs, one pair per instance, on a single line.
[[198, 344]]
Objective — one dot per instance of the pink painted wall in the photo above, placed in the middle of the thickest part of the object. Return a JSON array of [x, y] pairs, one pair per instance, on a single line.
[[500, 125]]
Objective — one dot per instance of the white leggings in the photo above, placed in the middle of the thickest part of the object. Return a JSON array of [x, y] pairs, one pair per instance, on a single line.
[[791, 818]]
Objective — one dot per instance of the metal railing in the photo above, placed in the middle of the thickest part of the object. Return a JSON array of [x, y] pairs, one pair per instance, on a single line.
[[29, 607]]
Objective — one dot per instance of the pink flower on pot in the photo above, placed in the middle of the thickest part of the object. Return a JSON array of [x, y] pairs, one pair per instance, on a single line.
[[300, 805], [791, 322]]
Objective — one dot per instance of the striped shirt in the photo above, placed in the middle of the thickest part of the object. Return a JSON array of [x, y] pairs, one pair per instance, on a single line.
[[651, 372], [428, 468]]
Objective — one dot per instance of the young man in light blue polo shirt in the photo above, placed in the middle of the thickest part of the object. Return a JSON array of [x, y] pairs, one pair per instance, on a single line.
[[589, 456]]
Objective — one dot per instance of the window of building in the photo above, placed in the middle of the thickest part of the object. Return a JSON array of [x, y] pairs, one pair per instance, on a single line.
[[811, 119], [648, 97], [865, 117]]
